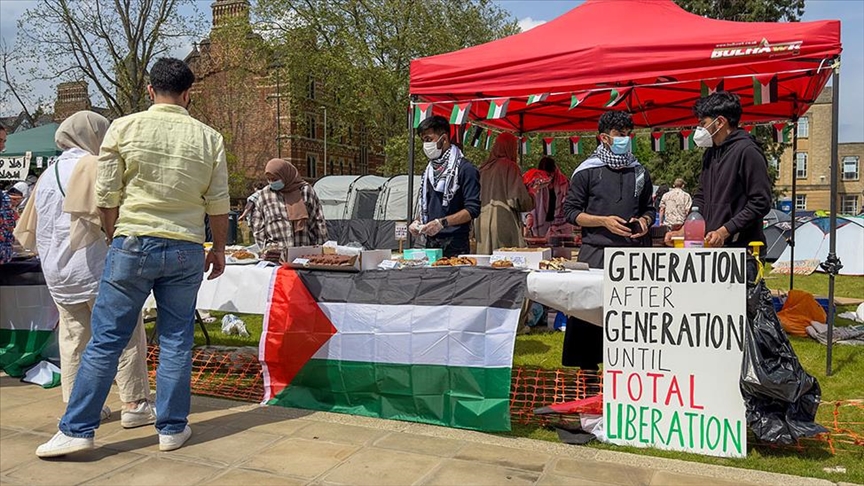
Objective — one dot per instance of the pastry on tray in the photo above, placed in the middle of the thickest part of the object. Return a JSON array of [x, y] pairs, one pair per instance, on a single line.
[[243, 255], [502, 264], [455, 262], [330, 260]]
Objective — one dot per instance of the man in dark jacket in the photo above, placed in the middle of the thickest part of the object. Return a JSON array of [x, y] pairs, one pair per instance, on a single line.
[[610, 198], [735, 189], [449, 194]]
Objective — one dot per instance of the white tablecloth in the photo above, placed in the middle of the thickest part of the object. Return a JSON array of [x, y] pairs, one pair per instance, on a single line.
[[245, 288]]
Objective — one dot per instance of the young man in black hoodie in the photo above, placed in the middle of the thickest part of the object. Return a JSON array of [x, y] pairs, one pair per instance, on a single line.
[[735, 189]]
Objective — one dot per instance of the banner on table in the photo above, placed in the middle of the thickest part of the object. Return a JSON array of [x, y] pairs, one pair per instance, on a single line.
[[674, 322], [28, 318], [14, 168], [427, 345]]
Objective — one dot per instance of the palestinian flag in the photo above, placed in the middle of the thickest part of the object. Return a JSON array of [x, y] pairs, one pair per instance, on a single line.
[[28, 320], [433, 345], [748, 128], [615, 97], [422, 111], [497, 108], [711, 86], [466, 129], [687, 142], [537, 98], [576, 145], [459, 115], [526, 145], [764, 89], [488, 145], [549, 146], [577, 99], [782, 133], [475, 139], [658, 141]]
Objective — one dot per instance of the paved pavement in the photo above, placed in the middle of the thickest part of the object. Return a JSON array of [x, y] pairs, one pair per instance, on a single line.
[[244, 444]]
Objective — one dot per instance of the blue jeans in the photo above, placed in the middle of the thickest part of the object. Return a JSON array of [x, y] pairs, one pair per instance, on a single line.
[[173, 270]]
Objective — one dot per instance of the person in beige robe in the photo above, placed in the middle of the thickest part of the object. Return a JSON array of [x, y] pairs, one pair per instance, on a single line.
[[503, 197]]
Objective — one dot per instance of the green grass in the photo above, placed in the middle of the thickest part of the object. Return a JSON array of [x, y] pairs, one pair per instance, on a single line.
[[543, 350]]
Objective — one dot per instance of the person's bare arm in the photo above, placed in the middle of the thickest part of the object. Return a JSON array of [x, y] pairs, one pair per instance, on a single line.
[[109, 221], [216, 256]]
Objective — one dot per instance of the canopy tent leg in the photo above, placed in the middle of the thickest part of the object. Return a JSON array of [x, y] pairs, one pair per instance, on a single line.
[[794, 195], [410, 215], [832, 265]]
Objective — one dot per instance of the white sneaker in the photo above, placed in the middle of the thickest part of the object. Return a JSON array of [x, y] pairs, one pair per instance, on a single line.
[[61, 444], [174, 441], [143, 414], [106, 414]]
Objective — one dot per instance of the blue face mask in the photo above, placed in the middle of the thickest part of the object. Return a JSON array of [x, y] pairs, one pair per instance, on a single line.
[[620, 145], [277, 185]]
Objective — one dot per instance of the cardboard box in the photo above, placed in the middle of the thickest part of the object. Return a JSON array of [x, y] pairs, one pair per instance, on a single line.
[[532, 256], [370, 259]]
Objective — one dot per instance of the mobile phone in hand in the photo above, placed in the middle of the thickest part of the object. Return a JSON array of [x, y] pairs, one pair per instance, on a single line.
[[635, 227]]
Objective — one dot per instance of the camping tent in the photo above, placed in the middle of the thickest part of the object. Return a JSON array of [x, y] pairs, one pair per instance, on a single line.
[[364, 209], [777, 238], [811, 242], [657, 61], [775, 216], [39, 141]]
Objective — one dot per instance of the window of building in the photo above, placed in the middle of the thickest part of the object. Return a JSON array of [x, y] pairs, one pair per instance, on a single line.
[[331, 166], [311, 165], [311, 127], [801, 202], [801, 162], [850, 168], [774, 163], [311, 88], [342, 166], [803, 127], [849, 204]]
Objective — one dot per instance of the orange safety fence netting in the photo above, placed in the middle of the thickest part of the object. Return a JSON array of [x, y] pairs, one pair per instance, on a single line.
[[235, 373]]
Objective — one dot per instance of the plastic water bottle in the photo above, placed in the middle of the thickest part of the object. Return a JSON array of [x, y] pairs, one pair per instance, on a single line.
[[694, 229]]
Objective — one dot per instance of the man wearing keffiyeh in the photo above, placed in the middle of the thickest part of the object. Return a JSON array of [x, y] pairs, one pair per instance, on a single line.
[[449, 194], [610, 198]]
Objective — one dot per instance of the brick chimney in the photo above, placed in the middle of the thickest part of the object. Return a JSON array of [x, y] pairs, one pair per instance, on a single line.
[[72, 97], [227, 11]]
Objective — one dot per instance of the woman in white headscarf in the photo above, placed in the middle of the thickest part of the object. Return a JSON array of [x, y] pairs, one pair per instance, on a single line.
[[503, 197], [73, 273]]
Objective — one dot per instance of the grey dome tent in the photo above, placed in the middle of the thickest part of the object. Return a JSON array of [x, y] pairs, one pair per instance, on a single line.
[[364, 209], [775, 216]]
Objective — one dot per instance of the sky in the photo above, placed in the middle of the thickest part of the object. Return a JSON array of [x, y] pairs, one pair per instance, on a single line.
[[532, 13]]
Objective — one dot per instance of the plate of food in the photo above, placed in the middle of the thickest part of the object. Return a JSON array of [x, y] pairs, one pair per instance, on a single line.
[[333, 262], [241, 257], [455, 262]]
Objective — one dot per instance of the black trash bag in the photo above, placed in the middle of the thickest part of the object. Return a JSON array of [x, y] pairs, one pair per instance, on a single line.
[[781, 398]]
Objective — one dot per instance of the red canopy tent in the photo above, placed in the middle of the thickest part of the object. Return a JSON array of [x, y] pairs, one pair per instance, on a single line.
[[649, 57], [653, 53]]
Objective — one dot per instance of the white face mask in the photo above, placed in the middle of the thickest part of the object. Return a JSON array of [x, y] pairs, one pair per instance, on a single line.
[[703, 138], [432, 150]]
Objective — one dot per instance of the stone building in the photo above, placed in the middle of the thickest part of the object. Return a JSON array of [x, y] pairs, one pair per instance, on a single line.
[[813, 171], [238, 92]]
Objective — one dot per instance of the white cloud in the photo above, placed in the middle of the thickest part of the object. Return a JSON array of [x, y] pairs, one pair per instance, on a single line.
[[528, 23]]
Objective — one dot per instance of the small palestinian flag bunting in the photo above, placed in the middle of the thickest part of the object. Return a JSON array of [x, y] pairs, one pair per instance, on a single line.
[[764, 89], [577, 99], [782, 133], [537, 98], [497, 108], [466, 130], [687, 142], [526, 145], [422, 111], [459, 115], [711, 86], [549, 146], [658, 141], [475, 139], [615, 97], [488, 140], [748, 128], [576, 145]]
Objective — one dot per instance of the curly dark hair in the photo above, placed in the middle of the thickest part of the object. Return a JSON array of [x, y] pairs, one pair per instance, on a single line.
[[171, 76], [615, 120], [721, 103]]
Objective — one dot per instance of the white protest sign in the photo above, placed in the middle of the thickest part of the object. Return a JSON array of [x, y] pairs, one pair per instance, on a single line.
[[401, 231], [673, 342], [14, 168]]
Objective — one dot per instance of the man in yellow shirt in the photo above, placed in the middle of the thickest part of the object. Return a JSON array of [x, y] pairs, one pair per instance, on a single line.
[[159, 172]]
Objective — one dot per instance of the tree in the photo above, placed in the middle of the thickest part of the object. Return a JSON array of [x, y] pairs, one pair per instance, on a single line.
[[13, 85], [746, 10], [109, 43], [359, 52]]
